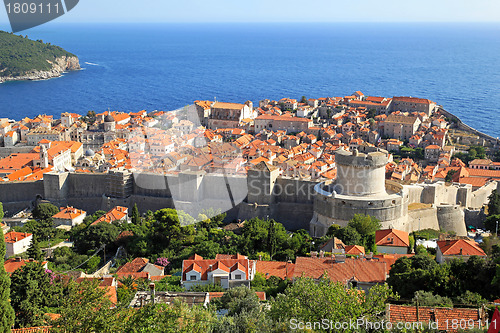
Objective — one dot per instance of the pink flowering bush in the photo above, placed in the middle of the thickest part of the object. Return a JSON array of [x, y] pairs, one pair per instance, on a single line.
[[162, 261]]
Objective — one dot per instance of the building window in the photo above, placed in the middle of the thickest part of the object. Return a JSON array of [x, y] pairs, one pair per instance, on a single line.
[[192, 277], [237, 277]]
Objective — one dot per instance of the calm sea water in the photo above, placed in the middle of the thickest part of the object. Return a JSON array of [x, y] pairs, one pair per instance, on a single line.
[[164, 67]]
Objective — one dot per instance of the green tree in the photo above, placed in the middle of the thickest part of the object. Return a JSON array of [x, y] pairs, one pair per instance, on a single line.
[[255, 236], [426, 298], [213, 222], [6, 311], [207, 249], [246, 322], [172, 224], [366, 226], [136, 216], [311, 300], [491, 223], [45, 211], [32, 291], [494, 203], [240, 299], [348, 235], [271, 238], [371, 114], [176, 317], [449, 176], [87, 309], [408, 275], [95, 236], [1, 212], [34, 250], [471, 299]]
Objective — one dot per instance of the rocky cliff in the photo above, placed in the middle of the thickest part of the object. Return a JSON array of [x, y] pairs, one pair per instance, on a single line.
[[59, 66]]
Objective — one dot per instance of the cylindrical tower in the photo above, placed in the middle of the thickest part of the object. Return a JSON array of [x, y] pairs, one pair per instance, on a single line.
[[360, 174]]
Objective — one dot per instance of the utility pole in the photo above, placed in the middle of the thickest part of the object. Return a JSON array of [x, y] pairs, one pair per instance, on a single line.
[[496, 230]]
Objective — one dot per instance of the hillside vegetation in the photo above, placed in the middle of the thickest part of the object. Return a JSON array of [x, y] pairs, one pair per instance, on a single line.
[[20, 55]]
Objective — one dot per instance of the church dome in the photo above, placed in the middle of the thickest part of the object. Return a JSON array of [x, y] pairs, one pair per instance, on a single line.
[[89, 152], [109, 119]]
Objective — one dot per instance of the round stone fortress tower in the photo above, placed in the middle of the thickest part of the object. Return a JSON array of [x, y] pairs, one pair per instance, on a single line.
[[359, 189], [360, 174]]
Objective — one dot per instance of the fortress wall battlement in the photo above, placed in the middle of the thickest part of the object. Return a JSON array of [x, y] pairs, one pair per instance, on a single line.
[[294, 200], [356, 159]]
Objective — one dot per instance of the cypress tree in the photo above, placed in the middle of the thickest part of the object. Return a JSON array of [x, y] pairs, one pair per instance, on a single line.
[[136, 216], [271, 238], [6, 310], [34, 250]]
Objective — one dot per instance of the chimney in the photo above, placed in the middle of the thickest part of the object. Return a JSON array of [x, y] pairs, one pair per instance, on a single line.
[[260, 257], [314, 254], [321, 254], [18, 259], [31, 259], [461, 251], [340, 258]]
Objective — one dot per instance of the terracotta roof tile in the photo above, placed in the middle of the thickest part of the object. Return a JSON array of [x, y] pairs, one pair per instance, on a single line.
[[391, 237], [460, 247], [360, 270], [444, 316], [279, 269]]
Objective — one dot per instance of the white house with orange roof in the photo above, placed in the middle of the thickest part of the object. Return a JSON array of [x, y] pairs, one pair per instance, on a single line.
[[392, 241], [457, 249], [227, 271], [10, 139], [118, 213], [69, 216], [17, 242]]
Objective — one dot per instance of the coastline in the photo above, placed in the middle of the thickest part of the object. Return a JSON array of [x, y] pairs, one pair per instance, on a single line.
[[59, 67], [463, 126]]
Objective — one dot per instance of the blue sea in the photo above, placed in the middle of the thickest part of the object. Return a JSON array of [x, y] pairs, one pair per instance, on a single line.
[[167, 66]]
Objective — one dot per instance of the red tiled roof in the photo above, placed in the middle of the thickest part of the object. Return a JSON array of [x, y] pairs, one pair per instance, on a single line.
[[115, 214], [391, 237], [39, 329], [279, 269], [12, 265], [484, 173], [460, 247], [360, 270], [354, 249], [444, 316], [411, 99], [135, 275], [204, 265], [14, 236], [134, 266], [217, 294], [69, 213]]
